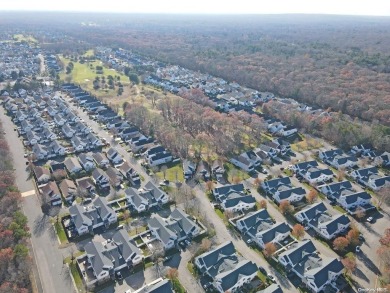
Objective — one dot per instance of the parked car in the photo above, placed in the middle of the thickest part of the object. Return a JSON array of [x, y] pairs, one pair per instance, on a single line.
[[271, 277], [357, 249], [261, 269], [370, 219], [118, 276]]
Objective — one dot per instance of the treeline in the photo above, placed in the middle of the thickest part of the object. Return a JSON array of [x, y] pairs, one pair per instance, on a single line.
[[15, 263], [188, 129], [320, 64], [337, 128]]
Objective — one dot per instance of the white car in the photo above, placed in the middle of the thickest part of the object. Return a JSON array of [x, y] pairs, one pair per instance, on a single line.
[[271, 277]]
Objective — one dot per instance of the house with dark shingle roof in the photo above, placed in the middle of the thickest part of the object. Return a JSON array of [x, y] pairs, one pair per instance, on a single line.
[[305, 261], [347, 197], [157, 286], [68, 190], [261, 228], [42, 175], [327, 226], [114, 176], [282, 189], [189, 168], [88, 218], [105, 258], [228, 270], [86, 161], [50, 193], [234, 198], [100, 178], [130, 173], [72, 165], [177, 227]]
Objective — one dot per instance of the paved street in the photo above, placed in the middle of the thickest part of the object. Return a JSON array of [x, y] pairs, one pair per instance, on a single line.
[[49, 256], [46, 253]]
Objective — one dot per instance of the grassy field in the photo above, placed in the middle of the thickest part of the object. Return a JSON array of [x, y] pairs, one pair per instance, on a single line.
[[21, 38], [89, 53], [84, 74], [306, 144], [234, 172], [171, 173]]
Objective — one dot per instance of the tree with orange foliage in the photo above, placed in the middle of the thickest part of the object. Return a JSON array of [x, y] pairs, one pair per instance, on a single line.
[[340, 243], [285, 207], [269, 249], [353, 236], [263, 204], [298, 231], [349, 264], [312, 196]]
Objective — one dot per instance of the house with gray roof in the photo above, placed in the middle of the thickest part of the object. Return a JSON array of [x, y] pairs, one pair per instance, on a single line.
[[262, 229], [157, 286], [72, 165], [50, 193], [42, 175], [304, 260], [100, 178], [86, 161], [282, 189], [325, 225], [178, 226], [130, 173], [234, 198], [228, 270], [107, 257], [68, 190], [88, 218]]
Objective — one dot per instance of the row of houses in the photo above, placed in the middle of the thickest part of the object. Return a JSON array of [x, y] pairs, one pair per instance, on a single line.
[[154, 155], [270, 150], [203, 169]]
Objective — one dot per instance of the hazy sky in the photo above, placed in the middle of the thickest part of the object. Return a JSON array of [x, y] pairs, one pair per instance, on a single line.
[[349, 7]]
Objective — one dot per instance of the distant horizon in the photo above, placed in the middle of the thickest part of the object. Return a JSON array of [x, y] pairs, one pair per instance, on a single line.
[[204, 7], [192, 14]]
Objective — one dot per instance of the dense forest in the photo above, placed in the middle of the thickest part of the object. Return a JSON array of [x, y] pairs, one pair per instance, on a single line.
[[336, 62], [15, 262]]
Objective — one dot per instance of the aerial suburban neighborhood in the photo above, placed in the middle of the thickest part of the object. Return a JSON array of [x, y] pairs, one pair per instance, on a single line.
[[125, 172]]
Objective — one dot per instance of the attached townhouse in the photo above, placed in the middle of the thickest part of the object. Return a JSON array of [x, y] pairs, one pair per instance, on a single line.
[[73, 166], [228, 270], [282, 189], [234, 198], [178, 226], [95, 215], [318, 274], [261, 228], [107, 257], [352, 201], [68, 190], [130, 174], [86, 161], [100, 178], [50, 193], [370, 177], [325, 225]]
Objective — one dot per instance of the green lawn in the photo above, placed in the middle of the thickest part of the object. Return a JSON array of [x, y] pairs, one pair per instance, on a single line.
[[177, 287], [27, 38], [89, 53], [60, 232], [68, 259], [306, 144], [84, 75], [233, 171], [76, 276], [171, 173]]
